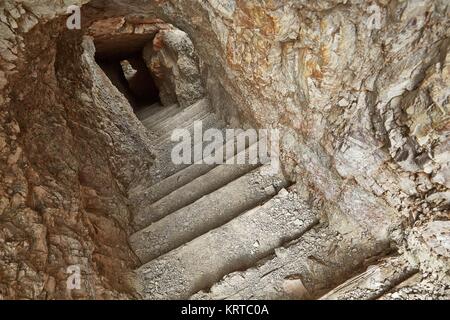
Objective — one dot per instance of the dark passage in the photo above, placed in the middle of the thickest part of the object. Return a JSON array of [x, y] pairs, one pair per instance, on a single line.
[[131, 76]]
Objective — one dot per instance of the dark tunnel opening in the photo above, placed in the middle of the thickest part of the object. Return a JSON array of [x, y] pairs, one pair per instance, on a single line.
[[130, 75]]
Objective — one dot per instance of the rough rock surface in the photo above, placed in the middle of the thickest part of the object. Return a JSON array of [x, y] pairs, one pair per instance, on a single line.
[[173, 63], [69, 146], [360, 93], [122, 36]]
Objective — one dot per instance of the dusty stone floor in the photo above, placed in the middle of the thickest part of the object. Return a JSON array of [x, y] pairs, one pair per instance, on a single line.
[[359, 92]]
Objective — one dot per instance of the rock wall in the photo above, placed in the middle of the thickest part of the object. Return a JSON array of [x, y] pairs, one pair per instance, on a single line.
[[172, 61], [69, 147]]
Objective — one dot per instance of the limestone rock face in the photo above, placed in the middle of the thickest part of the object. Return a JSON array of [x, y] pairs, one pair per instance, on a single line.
[[431, 246], [122, 36], [359, 92], [172, 61], [69, 146]]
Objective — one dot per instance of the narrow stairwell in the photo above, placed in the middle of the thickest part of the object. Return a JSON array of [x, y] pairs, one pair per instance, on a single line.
[[230, 231]]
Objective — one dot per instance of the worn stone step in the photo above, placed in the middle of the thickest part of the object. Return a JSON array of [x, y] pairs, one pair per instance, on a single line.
[[178, 121], [149, 111], [209, 120], [211, 211], [236, 245], [163, 115], [163, 166], [167, 130], [307, 268], [142, 197], [375, 281], [197, 188]]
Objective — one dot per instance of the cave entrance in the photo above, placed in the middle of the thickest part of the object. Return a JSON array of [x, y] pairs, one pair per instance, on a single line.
[[119, 44], [130, 75], [151, 62]]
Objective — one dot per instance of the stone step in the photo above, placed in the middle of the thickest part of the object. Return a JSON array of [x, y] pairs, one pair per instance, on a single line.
[[163, 115], [149, 111], [209, 120], [143, 197], [197, 188], [236, 245], [305, 269], [163, 166], [374, 282], [190, 114], [209, 212], [181, 123]]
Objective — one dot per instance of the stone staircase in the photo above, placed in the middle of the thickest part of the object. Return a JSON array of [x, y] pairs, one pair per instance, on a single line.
[[232, 231]]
